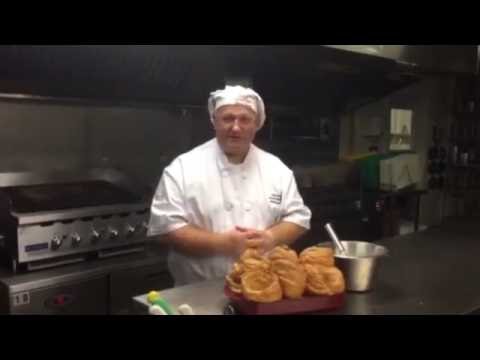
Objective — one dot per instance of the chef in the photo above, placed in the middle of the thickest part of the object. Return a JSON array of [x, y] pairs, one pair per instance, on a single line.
[[226, 194]]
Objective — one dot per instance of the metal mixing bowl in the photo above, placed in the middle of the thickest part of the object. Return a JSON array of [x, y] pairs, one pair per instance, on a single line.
[[359, 263]]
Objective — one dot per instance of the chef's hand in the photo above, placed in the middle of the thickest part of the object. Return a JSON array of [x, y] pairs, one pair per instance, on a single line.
[[235, 242], [262, 240]]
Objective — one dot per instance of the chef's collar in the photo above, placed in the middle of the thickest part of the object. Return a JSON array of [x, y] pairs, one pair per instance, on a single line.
[[224, 164]]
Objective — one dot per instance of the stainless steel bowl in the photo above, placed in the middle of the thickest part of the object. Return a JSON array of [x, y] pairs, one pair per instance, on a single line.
[[359, 263]]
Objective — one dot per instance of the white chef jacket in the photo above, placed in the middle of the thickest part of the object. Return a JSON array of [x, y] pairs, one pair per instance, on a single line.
[[204, 189]]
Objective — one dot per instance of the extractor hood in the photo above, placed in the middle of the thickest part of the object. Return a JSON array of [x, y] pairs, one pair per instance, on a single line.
[[332, 78], [433, 59]]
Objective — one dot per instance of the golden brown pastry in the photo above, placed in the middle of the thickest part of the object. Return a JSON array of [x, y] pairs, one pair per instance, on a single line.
[[317, 255], [316, 282], [234, 279], [283, 252], [256, 264], [290, 272], [334, 279], [251, 260], [322, 280], [261, 286], [284, 274], [250, 253], [293, 277]]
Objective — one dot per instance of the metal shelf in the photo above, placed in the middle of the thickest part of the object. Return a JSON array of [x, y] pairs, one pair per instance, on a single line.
[[470, 166], [462, 192]]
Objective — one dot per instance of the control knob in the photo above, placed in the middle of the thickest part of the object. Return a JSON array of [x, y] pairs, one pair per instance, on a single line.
[[76, 239], [57, 242], [96, 236], [129, 230], [112, 233]]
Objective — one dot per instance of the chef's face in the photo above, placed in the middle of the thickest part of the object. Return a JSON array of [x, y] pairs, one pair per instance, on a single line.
[[235, 127]]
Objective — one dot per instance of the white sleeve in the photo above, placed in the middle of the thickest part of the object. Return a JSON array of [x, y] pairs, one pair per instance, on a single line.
[[294, 210], [168, 211]]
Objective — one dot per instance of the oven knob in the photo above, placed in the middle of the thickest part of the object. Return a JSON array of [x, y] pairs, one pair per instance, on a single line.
[[113, 233], [56, 242], [96, 236], [129, 230], [144, 227], [76, 239]]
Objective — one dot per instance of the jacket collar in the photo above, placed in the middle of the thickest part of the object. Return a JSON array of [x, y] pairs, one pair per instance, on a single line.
[[225, 165]]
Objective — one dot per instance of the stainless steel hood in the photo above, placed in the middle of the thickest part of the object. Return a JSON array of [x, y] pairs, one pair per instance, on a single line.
[[332, 78], [434, 59]]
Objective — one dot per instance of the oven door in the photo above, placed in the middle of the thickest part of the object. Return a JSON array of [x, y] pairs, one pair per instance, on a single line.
[[127, 283], [85, 297]]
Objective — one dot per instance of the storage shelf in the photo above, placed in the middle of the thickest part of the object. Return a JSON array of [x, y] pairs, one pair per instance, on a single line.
[[467, 115], [462, 192], [470, 166]]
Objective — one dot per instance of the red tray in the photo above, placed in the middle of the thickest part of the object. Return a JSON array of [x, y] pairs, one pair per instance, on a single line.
[[307, 304]]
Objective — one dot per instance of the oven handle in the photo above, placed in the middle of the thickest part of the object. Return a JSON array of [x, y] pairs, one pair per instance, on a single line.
[[111, 253]]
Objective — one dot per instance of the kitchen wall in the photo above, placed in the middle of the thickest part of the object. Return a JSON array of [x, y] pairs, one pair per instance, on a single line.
[[39, 137], [431, 101], [140, 141]]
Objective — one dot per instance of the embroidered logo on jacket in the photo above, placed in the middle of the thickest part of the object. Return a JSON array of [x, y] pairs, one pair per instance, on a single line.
[[275, 198]]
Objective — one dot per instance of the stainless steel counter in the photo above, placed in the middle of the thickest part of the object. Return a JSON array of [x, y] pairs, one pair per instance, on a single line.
[[431, 272], [206, 298]]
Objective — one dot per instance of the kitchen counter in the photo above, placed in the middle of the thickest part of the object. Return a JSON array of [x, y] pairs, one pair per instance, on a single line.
[[432, 272]]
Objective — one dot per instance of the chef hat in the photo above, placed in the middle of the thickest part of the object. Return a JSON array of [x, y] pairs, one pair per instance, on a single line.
[[237, 95]]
